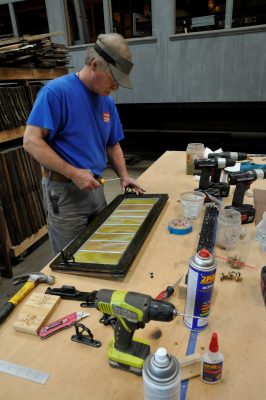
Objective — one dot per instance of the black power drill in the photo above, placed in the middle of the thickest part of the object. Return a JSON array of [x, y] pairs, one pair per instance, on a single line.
[[132, 311], [212, 168], [229, 154], [243, 180]]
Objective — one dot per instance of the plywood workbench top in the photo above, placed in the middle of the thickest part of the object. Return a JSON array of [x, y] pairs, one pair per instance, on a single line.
[[238, 315]]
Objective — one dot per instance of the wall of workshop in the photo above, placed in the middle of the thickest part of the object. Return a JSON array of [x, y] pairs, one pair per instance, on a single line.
[[212, 66]]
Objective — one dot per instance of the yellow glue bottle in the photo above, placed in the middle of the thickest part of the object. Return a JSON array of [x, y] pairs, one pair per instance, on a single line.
[[212, 362]]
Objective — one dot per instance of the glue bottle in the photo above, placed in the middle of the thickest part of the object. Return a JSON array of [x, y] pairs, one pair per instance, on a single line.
[[212, 362]]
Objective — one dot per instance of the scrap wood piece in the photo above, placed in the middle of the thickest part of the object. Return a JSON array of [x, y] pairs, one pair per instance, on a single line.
[[35, 312], [190, 366]]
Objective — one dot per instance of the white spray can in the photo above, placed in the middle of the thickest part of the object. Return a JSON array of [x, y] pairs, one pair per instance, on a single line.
[[161, 376]]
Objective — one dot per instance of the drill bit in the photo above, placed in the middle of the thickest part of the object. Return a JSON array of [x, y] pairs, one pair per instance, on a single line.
[[178, 314]]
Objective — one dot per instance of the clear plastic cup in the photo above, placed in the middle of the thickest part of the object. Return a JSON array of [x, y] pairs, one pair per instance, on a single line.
[[192, 203], [228, 228]]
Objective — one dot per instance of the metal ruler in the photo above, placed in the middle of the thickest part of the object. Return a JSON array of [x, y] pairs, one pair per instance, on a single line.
[[23, 372]]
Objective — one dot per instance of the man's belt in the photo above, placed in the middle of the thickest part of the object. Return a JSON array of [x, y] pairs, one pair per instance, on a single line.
[[55, 176]]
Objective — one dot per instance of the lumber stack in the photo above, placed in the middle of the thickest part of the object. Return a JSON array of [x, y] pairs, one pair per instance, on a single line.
[[16, 102], [37, 51], [21, 194]]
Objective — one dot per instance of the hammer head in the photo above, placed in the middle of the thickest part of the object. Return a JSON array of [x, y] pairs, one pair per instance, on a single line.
[[36, 277]]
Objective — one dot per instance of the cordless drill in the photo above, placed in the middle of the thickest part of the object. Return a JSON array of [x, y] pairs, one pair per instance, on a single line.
[[236, 156], [243, 180], [212, 168], [132, 311]]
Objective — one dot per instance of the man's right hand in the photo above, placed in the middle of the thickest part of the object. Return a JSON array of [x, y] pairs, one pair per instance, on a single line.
[[84, 179]]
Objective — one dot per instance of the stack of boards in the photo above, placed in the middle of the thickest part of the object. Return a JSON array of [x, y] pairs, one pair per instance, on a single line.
[[35, 51], [20, 194]]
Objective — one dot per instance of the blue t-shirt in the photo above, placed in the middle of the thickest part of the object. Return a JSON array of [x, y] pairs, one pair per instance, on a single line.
[[81, 123]]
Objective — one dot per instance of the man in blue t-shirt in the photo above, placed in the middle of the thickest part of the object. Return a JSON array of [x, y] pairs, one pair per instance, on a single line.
[[72, 129]]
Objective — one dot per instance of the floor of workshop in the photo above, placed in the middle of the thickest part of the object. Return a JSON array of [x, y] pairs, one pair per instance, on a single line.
[[38, 255]]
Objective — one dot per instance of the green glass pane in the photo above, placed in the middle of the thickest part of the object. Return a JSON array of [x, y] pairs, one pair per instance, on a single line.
[[135, 207], [104, 246], [124, 221], [118, 229], [113, 237], [130, 213], [140, 201], [97, 258]]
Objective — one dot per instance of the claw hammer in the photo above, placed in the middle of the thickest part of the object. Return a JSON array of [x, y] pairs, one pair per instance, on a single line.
[[31, 280]]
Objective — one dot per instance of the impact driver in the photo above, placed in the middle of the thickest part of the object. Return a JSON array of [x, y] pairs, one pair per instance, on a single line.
[[132, 311], [243, 180]]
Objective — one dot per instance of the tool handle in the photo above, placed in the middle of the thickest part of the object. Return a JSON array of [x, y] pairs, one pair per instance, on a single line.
[[165, 294], [239, 193], [124, 332], [22, 292], [5, 310]]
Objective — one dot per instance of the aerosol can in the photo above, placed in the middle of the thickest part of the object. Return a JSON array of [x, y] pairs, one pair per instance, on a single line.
[[161, 376], [201, 277]]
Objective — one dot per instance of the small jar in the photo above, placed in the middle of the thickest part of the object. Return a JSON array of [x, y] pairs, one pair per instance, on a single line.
[[195, 151], [228, 228]]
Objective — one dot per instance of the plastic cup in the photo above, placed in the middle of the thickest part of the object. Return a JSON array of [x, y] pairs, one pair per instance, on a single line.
[[192, 203]]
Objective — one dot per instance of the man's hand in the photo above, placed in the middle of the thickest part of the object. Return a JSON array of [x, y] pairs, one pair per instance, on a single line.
[[131, 183], [84, 179]]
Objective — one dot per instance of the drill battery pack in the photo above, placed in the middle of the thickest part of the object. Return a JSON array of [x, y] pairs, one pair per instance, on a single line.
[[131, 359], [247, 212]]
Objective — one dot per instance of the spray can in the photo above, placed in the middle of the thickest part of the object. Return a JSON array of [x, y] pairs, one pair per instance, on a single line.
[[201, 276], [161, 376]]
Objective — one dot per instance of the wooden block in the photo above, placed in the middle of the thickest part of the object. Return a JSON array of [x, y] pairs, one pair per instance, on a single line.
[[190, 366], [182, 288], [35, 312]]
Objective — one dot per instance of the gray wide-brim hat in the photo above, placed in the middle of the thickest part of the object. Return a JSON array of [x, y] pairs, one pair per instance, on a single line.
[[119, 66]]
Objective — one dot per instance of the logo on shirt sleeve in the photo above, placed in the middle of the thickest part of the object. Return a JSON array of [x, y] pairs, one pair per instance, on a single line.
[[106, 117]]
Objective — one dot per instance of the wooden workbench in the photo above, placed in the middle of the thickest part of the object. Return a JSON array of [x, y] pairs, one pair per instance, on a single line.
[[238, 315]]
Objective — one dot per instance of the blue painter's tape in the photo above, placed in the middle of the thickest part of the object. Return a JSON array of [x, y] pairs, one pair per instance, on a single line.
[[190, 350], [179, 226]]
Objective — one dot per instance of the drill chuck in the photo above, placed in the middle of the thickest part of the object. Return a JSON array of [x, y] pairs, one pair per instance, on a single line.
[[161, 310], [248, 176]]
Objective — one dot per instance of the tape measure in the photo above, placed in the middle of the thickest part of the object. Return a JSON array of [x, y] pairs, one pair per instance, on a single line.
[[180, 226], [23, 372]]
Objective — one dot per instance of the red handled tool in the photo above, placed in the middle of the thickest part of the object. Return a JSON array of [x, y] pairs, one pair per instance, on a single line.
[[165, 294], [62, 323]]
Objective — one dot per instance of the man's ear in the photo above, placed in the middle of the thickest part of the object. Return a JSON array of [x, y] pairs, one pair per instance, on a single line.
[[94, 65]]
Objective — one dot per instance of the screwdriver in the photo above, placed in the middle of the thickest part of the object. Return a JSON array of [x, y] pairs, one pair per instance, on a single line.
[[103, 181], [166, 293]]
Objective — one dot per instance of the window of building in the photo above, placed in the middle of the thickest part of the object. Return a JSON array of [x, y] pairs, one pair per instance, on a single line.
[[132, 18], [199, 15], [31, 17], [84, 20], [249, 12], [73, 35], [5, 21]]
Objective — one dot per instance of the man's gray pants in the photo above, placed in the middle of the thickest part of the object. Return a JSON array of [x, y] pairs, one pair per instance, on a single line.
[[69, 210]]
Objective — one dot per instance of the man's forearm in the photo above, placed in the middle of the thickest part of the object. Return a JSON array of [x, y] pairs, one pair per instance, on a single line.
[[117, 161]]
